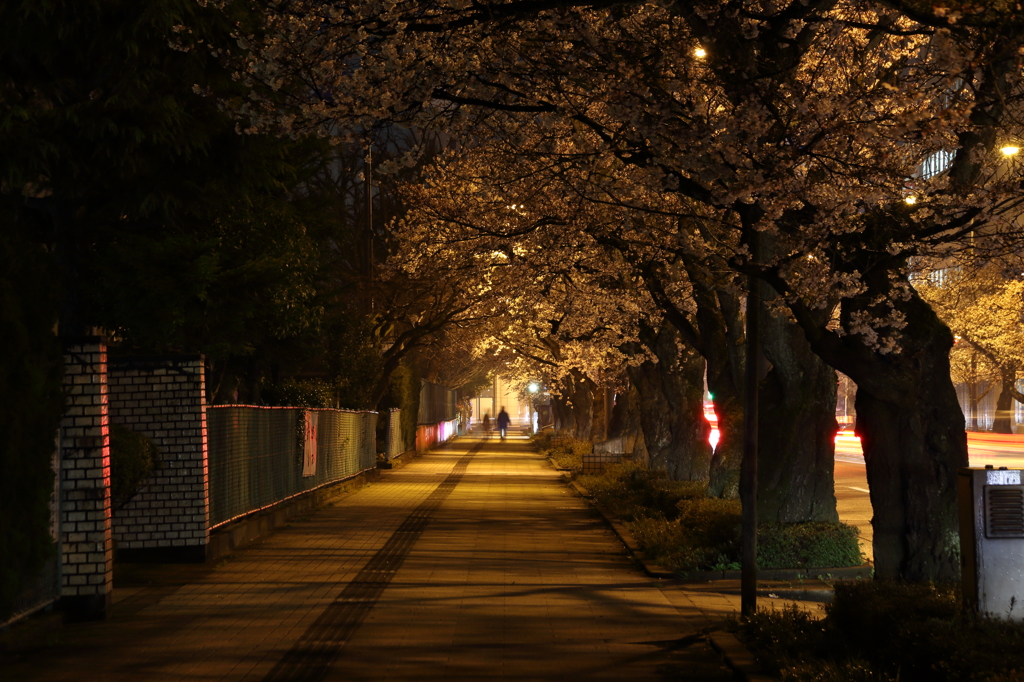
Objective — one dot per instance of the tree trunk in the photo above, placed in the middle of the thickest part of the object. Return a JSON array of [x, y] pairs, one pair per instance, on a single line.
[[563, 415], [912, 452], [720, 320], [582, 399], [671, 408], [574, 409], [912, 431], [597, 429], [796, 428], [1003, 422]]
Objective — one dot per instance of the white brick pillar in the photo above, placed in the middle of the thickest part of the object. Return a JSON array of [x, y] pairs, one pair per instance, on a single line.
[[86, 540]]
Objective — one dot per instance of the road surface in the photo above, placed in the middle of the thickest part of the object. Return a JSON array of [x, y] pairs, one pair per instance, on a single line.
[[852, 486]]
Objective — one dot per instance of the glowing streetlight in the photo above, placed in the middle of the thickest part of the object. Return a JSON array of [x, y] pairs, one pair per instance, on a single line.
[[1010, 150], [910, 199], [533, 387], [700, 53]]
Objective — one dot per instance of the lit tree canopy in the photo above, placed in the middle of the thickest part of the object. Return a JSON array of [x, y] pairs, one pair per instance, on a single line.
[[984, 308], [800, 125]]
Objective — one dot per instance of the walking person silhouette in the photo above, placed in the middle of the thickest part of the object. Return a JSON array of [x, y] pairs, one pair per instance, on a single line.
[[503, 422]]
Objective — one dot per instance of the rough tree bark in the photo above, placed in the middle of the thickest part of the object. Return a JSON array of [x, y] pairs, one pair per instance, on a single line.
[[574, 408], [911, 428], [720, 324], [1003, 422], [671, 407], [582, 402], [562, 413], [796, 428]]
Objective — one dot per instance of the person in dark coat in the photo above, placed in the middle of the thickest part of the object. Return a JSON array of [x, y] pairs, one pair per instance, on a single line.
[[503, 422]]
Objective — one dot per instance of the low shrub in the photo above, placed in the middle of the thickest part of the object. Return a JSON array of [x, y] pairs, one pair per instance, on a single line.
[[676, 525], [886, 631], [680, 547], [808, 545], [630, 490], [566, 451]]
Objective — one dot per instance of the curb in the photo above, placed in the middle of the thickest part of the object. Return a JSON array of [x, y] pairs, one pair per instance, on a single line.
[[652, 570], [733, 652]]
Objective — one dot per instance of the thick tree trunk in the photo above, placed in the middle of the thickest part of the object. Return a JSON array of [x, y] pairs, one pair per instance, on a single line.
[[582, 399], [597, 396], [671, 409], [565, 420], [574, 409], [1003, 422], [720, 320], [912, 431], [796, 429], [913, 450]]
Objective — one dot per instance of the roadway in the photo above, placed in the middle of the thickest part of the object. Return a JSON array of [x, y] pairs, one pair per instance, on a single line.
[[852, 486]]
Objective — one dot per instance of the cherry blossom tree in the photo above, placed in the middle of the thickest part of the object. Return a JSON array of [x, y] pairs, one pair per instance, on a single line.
[[984, 308], [795, 125], [605, 253]]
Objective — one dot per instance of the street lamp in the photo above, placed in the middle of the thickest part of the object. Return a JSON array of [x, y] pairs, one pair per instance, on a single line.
[[533, 387], [1010, 150]]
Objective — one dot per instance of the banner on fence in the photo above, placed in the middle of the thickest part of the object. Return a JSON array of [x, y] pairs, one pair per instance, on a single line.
[[309, 444]]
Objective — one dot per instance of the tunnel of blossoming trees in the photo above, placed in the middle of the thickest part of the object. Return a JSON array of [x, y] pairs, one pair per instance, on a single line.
[[633, 224]]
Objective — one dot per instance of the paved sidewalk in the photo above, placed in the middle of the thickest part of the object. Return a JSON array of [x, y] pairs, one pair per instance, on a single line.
[[474, 562]]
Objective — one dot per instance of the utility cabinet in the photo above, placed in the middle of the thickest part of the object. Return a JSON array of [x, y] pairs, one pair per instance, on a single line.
[[992, 540]]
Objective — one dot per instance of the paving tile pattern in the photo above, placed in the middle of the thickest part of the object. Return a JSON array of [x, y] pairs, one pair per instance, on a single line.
[[502, 574]]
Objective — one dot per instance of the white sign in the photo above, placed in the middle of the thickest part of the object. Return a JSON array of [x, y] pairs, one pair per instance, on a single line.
[[309, 444], [1002, 477]]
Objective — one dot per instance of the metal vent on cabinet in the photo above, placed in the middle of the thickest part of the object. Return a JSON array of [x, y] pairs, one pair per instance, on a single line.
[[1004, 511]]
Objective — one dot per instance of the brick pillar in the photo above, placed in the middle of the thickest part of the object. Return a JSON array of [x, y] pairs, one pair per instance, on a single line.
[[87, 547]]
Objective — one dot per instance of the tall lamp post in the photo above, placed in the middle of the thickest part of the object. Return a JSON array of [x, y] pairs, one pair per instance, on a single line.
[[748, 465]]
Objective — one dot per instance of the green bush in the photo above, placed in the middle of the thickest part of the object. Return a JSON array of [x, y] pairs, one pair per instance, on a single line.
[[677, 526], [133, 459], [681, 548], [566, 451], [630, 490], [808, 545], [887, 631]]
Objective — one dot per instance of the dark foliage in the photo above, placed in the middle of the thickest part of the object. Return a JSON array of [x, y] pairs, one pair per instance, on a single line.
[[678, 526], [30, 409], [888, 631]]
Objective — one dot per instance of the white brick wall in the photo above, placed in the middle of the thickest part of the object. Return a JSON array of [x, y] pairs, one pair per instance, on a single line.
[[163, 398]]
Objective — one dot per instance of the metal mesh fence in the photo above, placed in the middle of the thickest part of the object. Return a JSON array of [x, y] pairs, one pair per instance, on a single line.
[[437, 403], [262, 455], [42, 590]]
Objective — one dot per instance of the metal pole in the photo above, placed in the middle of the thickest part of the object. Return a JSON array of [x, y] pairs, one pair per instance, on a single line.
[[369, 221], [748, 467]]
